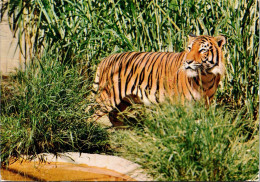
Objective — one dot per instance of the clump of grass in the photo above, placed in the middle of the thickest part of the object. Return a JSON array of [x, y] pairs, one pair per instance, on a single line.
[[43, 110], [191, 143]]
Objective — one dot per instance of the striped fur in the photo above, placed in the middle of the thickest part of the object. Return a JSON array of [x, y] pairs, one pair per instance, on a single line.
[[151, 77]]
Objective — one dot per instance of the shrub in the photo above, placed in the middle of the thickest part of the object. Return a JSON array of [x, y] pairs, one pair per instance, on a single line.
[[191, 143], [43, 110]]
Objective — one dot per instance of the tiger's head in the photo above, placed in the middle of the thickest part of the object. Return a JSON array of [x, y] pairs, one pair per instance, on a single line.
[[204, 55]]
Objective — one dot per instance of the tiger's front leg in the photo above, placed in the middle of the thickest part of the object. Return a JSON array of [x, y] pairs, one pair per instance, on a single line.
[[113, 117], [125, 103]]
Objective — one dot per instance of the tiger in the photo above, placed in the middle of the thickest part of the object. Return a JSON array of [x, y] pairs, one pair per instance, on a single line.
[[151, 77]]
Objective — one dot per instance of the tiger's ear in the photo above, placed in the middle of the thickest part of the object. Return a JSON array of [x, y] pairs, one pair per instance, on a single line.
[[191, 37], [221, 40]]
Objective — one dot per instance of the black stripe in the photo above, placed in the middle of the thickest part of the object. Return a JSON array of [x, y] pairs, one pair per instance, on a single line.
[[217, 57], [94, 91], [119, 81], [152, 63], [212, 53], [141, 76], [145, 92], [201, 50], [134, 85], [171, 60], [159, 73], [189, 82], [150, 78], [120, 72], [127, 60], [135, 67], [136, 63], [157, 90], [165, 72], [131, 59], [211, 95], [141, 60], [149, 81], [112, 65], [196, 81], [144, 69], [129, 77], [211, 86], [177, 81]]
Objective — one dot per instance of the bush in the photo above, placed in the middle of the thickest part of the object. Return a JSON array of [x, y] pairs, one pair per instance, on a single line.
[[43, 110], [192, 143]]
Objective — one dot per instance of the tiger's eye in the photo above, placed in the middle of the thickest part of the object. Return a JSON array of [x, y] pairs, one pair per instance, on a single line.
[[203, 50]]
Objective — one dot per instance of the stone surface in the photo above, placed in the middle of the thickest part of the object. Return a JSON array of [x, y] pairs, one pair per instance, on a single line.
[[114, 163]]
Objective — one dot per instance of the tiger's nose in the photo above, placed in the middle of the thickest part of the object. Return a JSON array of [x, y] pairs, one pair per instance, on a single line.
[[189, 61]]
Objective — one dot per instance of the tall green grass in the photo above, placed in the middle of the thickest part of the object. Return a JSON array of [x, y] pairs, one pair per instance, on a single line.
[[43, 110], [177, 143]]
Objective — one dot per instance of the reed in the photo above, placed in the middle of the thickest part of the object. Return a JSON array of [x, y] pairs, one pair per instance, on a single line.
[[42, 110]]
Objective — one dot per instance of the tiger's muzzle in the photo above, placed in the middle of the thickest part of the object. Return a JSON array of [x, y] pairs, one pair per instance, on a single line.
[[192, 68]]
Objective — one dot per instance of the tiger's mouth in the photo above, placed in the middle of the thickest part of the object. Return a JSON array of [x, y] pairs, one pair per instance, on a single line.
[[192, 70]]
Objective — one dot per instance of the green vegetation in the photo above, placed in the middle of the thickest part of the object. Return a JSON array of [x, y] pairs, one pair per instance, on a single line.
[[191, 143], [42, 110], [43, 107]]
